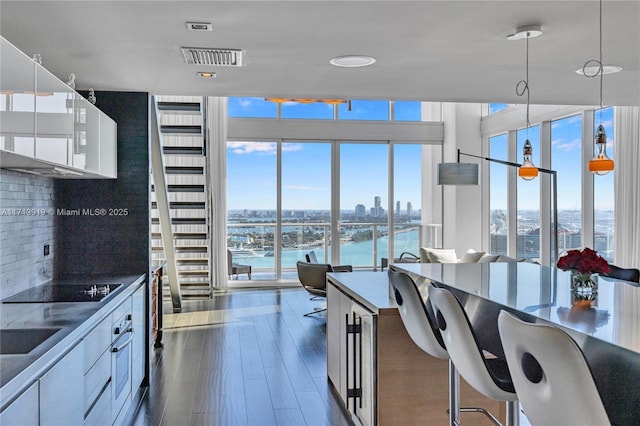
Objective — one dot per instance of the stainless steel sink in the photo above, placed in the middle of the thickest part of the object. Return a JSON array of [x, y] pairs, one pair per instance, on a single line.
[[15, 341]]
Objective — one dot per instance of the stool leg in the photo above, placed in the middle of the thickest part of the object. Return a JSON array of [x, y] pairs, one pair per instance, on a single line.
[[454, 395], [513, 413]]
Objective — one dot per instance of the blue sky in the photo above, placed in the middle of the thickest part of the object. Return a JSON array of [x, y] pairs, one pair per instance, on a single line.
[[306, 171]]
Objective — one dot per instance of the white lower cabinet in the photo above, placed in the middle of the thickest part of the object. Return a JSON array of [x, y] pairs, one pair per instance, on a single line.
[[21, 411], [100, 413], [62, 391], [350, 354], [94, 383], [138, 358]]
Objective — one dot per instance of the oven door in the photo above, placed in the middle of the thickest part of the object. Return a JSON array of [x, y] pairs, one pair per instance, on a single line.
[[121, 369]]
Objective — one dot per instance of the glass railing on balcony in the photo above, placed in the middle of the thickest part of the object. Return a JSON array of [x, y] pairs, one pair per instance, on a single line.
[[362, 244]]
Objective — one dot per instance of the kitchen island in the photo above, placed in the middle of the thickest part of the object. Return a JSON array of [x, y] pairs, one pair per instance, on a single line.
[[71, 323], [606, 328], [377, 371]]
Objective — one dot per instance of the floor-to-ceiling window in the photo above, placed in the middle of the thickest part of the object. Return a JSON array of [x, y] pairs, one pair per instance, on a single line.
[[566, 160], [565, 150], [364, 188], [528, 221], [252, 204], [498, 212], [306, 202], [603, 192], [407, 197], [329, 192]]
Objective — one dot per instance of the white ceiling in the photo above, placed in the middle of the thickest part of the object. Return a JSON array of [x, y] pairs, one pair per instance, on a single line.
[[425, 50]]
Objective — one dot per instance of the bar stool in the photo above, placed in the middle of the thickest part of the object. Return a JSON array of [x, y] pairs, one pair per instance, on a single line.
[[419, 321], [550, 374], [489, 376]]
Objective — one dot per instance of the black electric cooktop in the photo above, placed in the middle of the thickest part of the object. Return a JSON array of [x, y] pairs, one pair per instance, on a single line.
[[63, 293]]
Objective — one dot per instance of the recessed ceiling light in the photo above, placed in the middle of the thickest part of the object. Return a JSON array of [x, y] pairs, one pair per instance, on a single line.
[[594, 70], [352, 61], [199, 26], [530, 31], [205, 74]]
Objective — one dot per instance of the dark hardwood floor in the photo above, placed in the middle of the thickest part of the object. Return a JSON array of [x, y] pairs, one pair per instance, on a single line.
[[245, 357]]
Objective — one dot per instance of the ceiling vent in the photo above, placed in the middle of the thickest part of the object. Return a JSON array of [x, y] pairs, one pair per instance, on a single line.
[[212, 56], [199, 26]]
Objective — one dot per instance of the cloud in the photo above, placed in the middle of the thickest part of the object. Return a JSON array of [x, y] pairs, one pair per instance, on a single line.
[[252, 147], [565, 146], [303, 188], [291, 147], [246, 103], [264, 148]]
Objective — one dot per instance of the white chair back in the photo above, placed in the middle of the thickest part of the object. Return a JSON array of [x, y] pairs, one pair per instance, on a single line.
[[462, 346], [415, 317], [550, 374]]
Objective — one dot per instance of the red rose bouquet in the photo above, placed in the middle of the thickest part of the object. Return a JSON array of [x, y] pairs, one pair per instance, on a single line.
[[585, 262]]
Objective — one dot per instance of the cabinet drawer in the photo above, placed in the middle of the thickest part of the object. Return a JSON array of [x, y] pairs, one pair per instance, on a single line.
[[96, 378], [120, 311], [24, 410], [100, 414], [62, 391], [96, 343]]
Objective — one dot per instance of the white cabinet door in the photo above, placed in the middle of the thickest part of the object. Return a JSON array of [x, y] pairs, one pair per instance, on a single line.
[[108, 146], [45, 120], [17, 97], [62, 391], [138, 349], [54, 118], [350, 356], [339, 348], [23, 411], [362, 376], [333, 335]]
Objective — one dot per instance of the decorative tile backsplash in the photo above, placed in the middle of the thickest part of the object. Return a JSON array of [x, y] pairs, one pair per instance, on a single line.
[[27, 213]]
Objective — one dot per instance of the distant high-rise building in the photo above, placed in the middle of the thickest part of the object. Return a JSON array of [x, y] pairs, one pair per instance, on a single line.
[[409, 208], [397, 208], [361, 210], [377, 210]]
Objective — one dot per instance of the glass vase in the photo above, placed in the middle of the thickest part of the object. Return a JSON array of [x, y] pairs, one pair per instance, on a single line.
[[584, 286]]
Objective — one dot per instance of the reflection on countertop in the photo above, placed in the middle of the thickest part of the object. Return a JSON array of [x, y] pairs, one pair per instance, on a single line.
[[545, 292]]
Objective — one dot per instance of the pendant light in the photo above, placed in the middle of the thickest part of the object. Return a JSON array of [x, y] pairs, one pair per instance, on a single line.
[[600, 164], [527, 169]]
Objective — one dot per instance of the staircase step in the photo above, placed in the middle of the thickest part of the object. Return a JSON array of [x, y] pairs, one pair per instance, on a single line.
[[185, 188], [182, 188], [182, 205], [181, 129], [194, 273], [183, 150], [183, 249], [184, 170], [183, 221], [183, 235], [179, 106], [194, 261]]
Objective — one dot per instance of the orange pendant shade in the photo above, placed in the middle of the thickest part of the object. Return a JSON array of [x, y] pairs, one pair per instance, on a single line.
[[528, 172], [601, 165]]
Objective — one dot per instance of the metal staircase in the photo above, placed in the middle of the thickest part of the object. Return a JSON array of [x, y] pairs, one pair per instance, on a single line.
[[182, 126]]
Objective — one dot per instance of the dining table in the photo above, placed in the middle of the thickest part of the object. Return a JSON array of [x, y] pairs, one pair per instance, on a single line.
[[605, 322]]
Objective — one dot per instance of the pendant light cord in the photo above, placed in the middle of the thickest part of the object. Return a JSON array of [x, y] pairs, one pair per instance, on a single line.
[[600, 70], [523, 85]]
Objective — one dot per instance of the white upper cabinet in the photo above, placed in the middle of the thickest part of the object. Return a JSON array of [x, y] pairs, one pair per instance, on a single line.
[[46, 127]]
